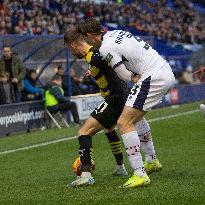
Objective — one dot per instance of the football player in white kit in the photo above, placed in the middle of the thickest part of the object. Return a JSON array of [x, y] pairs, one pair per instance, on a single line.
[[125, 52]]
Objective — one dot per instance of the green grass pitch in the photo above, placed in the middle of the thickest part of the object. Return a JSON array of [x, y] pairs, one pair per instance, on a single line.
[[39, 176]]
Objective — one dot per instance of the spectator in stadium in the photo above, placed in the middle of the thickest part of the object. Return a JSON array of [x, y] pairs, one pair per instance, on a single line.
[[13, 65], [82, 84], [7, 94], [198, 63], [56, 101], [187, 77], [88, 85], [200, 73], [64, 77], [3, 28], [75, 81], [31, 91]]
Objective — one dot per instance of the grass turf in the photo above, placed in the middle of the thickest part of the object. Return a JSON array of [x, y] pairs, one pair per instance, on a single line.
[[40, 175]]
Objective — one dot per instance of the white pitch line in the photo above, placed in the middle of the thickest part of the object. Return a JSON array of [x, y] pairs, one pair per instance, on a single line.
[[38, 145], [74, 137], [173, 116]]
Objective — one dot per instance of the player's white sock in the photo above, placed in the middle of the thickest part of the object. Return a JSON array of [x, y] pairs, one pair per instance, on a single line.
[[147, 146], [132, 146], [86, 174], [202, 108], [149, 151]]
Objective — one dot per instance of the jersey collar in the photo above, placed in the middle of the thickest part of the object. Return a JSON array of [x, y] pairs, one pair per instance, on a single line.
[[88, 49]]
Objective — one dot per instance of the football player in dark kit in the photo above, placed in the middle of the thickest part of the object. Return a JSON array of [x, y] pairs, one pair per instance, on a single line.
[[105, 116]]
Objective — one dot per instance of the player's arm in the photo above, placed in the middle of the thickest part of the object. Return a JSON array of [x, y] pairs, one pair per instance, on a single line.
[[117, 63], [124, 74]]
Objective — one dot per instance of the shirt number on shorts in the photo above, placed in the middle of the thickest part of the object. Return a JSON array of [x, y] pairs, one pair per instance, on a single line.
[[101, 107], [134, 90]]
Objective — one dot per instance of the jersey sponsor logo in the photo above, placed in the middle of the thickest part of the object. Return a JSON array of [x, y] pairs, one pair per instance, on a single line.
[[108, 58]]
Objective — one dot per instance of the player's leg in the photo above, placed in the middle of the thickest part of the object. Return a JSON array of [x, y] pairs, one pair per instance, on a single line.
[[99, 119], [131, 141], [107, 115], [85, 133], [202, 108], [151, 164], [91, 127], [116, 148], [143, 96]]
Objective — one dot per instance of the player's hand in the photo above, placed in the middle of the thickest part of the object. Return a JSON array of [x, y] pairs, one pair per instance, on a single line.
[[135, 78], [200, 72], [88, 73]]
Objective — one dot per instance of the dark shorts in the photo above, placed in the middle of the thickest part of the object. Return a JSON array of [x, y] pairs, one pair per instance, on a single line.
[[107, 113]]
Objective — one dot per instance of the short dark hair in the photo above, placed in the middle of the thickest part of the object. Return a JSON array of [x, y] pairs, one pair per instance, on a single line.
[[72, 35], [32, 70], [29, 72], [90, 25], [60, 67], [56, 77]]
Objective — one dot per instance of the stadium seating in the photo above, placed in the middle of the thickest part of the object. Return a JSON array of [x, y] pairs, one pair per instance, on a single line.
[[166, 19]]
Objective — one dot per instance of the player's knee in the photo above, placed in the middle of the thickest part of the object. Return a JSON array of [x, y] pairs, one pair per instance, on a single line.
[[122, 124], [82, 131], [142, 127]]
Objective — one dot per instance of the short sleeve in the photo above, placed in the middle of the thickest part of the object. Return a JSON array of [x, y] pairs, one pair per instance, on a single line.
[[113, 58]]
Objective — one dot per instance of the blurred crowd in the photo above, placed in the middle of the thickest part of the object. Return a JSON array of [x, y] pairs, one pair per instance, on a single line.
[[180, 22]]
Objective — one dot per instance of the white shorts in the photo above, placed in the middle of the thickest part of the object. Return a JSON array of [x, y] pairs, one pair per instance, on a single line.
[[149, 91]]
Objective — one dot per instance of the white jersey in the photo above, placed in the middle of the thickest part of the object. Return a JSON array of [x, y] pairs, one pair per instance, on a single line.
[[139, 57]]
